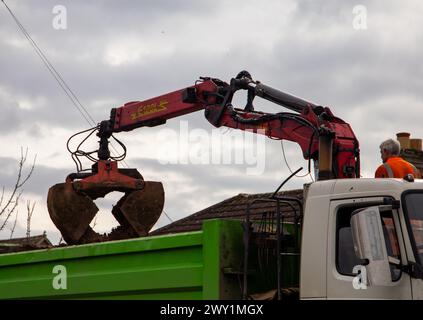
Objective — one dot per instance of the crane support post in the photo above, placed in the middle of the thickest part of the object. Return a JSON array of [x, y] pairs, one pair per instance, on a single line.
[[325, 157]]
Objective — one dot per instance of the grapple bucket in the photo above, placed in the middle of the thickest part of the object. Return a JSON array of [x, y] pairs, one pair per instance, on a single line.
[[71, 212], [141, 208], [72, 209]]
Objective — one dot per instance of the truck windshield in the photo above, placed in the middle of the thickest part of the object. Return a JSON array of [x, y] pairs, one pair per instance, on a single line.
[[414, 211]]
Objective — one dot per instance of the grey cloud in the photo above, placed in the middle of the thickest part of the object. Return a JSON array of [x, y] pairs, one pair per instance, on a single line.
[[40, 181], [11, 117]]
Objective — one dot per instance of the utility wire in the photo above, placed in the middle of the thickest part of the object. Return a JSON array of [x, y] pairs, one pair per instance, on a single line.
[[56, 75], [289, 168], [167, 215], [71, 95]]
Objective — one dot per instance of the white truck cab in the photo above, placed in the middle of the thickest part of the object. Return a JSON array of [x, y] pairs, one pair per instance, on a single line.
[[362, 239]]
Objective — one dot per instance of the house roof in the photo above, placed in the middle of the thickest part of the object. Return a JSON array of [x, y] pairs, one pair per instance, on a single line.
[[413, 156], [233, 208], [26, 243]]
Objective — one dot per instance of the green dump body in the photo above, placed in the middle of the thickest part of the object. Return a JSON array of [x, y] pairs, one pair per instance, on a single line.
[[204, 264]]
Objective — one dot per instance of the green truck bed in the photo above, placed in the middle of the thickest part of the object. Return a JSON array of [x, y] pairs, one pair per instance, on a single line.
[[206, 264], [195, 265]]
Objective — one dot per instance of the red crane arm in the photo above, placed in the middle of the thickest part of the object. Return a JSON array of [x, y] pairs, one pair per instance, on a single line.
[[321, 136], [157, 110]]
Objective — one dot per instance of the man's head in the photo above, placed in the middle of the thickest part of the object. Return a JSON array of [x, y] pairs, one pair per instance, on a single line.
[[389, 148]]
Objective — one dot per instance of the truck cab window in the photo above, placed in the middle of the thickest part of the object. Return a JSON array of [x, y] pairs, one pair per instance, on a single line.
[[413, 209], [391, 241], [346, 258]]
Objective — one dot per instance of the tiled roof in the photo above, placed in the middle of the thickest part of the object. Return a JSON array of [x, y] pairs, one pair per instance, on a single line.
[[20, 244], [232, 208]]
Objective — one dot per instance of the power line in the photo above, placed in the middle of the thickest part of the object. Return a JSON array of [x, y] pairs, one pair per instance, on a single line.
[[71, 95], [56, 75], [167, 215]]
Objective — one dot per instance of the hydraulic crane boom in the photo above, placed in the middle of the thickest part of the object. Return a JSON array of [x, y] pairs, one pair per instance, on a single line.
[[324, 138], [321, 136]]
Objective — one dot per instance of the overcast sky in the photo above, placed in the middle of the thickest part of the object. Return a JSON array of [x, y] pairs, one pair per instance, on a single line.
[[113, 52]]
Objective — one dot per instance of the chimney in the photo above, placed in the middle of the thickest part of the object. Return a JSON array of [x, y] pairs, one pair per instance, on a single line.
[[404, 140], [416, 144]]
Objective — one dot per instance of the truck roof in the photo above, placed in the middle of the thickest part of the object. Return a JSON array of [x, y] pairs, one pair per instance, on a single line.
[[339, 188]]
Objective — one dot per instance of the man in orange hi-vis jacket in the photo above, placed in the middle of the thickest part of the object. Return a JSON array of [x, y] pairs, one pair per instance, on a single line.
[[393, 165]]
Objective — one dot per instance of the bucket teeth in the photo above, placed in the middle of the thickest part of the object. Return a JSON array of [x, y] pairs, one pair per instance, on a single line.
[[70, 211]]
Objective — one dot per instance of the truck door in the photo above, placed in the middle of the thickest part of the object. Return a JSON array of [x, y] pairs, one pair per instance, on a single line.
[[343, 264], [412, 204]]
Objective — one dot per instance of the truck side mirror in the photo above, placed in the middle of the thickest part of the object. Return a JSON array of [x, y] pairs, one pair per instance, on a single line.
[[370, 245]]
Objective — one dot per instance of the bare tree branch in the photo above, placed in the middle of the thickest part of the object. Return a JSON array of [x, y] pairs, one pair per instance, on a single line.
[[30, 211], [10, 211], [14, 224], [21, 165], [11, 202]]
